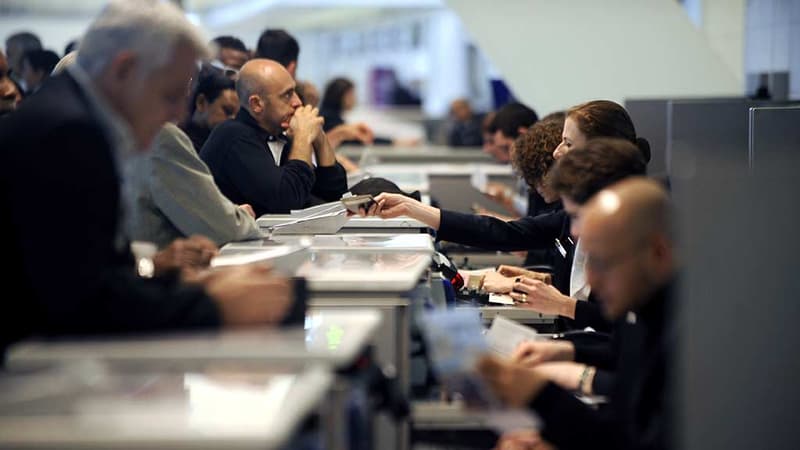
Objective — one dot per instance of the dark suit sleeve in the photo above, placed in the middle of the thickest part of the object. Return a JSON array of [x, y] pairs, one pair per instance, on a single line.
[[570, 424], [331, 182], [65, 215], [268, 187], [598, 354], [589, 314], [495, 234], [603, 382]]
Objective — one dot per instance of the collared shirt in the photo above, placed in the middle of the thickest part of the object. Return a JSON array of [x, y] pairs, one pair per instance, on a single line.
[[276, 146], [579, 288], [119, 134]]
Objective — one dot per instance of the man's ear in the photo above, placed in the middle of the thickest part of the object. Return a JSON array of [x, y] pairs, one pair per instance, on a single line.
[[522, 130], [256, 104], [123, 66], [292, 68], [201, 103]]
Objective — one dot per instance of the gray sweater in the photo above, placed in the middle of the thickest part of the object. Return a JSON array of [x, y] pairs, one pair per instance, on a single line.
[[170, 193]]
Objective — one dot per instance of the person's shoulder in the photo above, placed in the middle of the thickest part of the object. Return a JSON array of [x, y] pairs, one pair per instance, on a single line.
[[172, 140], [57, 106], [226, 135], [174, 148]]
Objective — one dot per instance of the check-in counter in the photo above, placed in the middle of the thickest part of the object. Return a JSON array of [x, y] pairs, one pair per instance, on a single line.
[[377, 271], [94, 406], [353, 224], [368, 242], [526, 316], [339, 340], [381, 280]]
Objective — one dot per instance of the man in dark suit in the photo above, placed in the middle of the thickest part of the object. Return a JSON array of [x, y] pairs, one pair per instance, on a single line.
[[252, 158], [631, 266], [68, 261]]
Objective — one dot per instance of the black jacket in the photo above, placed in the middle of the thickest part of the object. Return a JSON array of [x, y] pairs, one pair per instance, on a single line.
[[246, 172], [638, 415], [536, 206], [60, 192], [197, 133]]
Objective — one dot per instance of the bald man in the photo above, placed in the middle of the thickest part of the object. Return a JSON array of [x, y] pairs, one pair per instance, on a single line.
[[631, 265], [263, 157]]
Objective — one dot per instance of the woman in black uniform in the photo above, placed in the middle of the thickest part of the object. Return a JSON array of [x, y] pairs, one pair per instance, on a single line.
[[590, 170]]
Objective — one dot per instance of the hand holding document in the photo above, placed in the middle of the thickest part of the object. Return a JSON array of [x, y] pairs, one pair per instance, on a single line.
[[505, 335], [456, 344]]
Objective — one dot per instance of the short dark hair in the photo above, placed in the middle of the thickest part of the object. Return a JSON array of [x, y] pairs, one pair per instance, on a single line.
[[584, 171], [487, 123], [278, 45], [230, 42], [513, 116], [604, 118], [533, 151], [334, 93], [211, 82], [41, 60], [26, 40]]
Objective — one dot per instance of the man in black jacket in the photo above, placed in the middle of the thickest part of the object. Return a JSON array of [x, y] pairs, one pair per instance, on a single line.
[[627, 232], [263, 157], [69, 264]]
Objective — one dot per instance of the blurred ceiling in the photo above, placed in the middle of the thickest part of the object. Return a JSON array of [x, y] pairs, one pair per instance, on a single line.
[[220, 12]]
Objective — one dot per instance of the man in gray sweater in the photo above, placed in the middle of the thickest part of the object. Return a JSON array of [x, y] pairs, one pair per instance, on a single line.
[[171, 194]]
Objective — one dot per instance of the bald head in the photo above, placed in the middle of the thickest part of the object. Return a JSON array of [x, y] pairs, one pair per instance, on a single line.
[[635, 207], [626, 235], [256, 77], [267, 91]]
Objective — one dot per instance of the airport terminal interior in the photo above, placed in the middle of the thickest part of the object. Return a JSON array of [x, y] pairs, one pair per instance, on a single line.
[[400, 224]]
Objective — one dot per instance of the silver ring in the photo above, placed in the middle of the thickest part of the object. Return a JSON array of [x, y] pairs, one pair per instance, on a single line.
[[524, 298]]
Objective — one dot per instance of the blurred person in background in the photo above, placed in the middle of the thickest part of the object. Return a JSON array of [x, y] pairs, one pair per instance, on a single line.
[[37, 65], [66, 147], [16, 46], [508, 123], [278, 45], [231, 52], [465, 129], [338, 98], [308, 92], [213, 100]]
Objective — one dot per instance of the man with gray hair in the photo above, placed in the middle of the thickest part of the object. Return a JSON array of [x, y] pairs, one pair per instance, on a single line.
[[63, 151]]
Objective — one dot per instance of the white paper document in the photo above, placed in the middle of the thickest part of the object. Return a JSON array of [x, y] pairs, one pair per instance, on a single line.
[[501, 299], [455, 340], [505, 335]]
